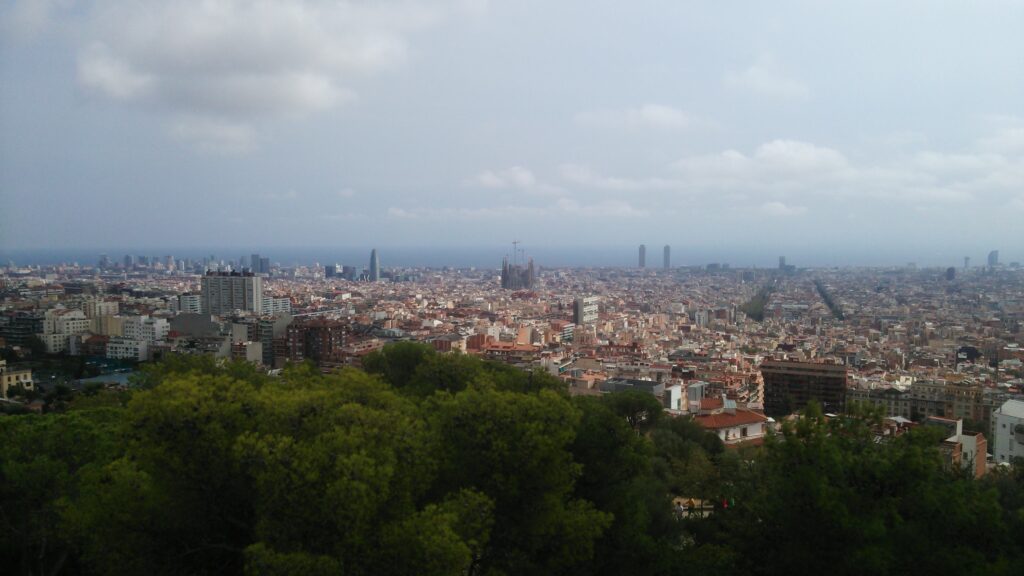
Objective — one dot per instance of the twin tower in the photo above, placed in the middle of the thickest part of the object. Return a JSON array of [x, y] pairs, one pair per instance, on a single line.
[[666, 257]]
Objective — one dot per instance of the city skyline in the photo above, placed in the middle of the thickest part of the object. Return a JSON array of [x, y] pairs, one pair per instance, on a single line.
[[715, 121], [487, 256]]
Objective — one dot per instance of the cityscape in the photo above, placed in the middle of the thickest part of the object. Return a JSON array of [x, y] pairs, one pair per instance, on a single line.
[[493, 288], [928, 343]]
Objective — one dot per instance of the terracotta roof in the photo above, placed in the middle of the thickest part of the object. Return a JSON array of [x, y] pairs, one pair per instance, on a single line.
[[712, 403], [726, 420]]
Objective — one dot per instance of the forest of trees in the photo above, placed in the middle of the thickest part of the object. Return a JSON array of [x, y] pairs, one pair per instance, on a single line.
[[446, 464]]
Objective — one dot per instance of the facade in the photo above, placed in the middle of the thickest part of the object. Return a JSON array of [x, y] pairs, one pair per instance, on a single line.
[[225, 292], [121, 348], [10, 377], [145, 328], [733, 425], [667, 257], [317, 340], [516, 277], [190, 303], [642, 260], [374, 266], [273, 305], [96, 307], [585, 310], [1008, 425], [993, 258], [789, 386]]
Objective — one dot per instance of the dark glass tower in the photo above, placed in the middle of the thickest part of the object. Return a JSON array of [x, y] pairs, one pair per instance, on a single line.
[[374, 266]]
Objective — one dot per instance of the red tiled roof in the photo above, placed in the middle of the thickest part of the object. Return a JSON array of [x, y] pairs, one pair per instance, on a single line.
[[726, 420], [713, 403]]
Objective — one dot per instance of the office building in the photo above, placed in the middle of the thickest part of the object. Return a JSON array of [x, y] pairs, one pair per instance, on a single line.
[[993, 258], [789, 386], [643, 256], [225, 292], [584, 310], [667, 257], [374, 266]]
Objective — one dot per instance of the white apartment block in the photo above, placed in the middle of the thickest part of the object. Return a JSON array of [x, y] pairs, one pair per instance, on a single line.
[[1008, 442], [59, 324], [273, 305], [145, 328], [121, 348]]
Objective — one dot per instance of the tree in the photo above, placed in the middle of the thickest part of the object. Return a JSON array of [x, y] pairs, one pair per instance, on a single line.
[[43, 460], [397, 363], [640, 409], [512, 448]]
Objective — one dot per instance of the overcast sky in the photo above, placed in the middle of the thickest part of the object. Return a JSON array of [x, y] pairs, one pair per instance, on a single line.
[[882, 125]]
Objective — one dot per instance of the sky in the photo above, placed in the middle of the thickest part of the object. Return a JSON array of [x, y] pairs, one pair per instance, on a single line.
[[870, 130]]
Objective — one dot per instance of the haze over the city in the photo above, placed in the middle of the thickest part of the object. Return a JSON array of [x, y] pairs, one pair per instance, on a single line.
[[867, 132]]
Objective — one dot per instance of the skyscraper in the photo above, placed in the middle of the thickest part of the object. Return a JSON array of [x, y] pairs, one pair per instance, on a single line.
[[374, 266], [643, 256], [967, 262], [254, 263], [993, 258], [667, 257]]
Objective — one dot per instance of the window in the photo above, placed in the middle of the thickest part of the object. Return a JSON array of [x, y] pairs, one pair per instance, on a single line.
[[743, 432]]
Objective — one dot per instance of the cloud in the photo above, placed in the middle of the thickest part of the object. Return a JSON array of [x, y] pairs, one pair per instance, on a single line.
[[27, 19], [280, 196], [601, 209], [780, 209], [648, 116], [343, 216], [776, 165], [787, 177], [213, 135], [586, 177], [765, 78], [228, 67], [514, 178], [561, 208]]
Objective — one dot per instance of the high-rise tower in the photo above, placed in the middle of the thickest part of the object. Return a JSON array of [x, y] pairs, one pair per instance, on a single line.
[[993, 258], [374, 266], [643, 256], [667, 257]]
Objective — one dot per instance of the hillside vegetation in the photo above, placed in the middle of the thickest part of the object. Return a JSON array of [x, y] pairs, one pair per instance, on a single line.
[[445, 464]]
